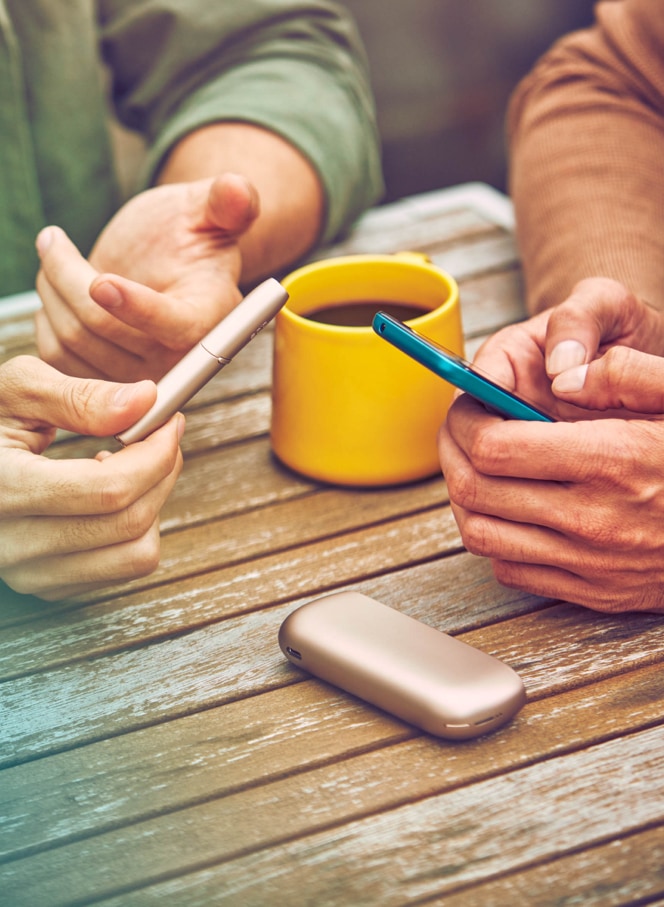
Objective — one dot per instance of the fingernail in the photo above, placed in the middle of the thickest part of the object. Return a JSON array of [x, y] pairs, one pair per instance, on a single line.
[[125, 392], [181, 426], [566, 355], [44, 240], [108, 295], [571, 380]]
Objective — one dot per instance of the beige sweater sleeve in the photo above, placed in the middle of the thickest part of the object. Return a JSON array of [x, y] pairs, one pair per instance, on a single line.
[[586, 136]]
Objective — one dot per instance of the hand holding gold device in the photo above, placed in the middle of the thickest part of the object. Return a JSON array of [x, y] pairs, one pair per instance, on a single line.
[[209, 356]]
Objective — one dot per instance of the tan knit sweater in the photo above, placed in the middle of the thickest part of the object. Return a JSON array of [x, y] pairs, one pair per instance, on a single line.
[[586, 131]]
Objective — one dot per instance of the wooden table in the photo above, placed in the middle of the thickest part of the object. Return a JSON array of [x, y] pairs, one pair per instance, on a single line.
[[156, 747]]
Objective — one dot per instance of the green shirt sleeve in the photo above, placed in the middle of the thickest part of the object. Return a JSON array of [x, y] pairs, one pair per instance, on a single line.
[[296, 68]]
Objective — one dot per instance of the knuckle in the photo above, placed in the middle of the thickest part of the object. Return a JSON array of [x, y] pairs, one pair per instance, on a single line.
[[144, 554], [488, 450], [136, 520], [462, 487], [478, 535], [591, 525], [616, 367], [506, 572], [72, 334], [115, 493], [465, 484]]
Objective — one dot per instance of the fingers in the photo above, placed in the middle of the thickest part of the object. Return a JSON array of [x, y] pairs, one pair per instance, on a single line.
[[499, 447], [629, 591], [545, 562], [621, 378], [514, 358], [59, 555], [599, 312], [555, 452], [26, 539], [34, 392], [577, 326], [73, 333], [35, 486], [494, 359], [170, 322], [169, 264], [79, 573], [508, 500], [219, 211], [591, 536]]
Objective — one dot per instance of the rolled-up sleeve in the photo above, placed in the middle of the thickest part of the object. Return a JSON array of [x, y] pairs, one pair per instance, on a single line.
[[295, 68]]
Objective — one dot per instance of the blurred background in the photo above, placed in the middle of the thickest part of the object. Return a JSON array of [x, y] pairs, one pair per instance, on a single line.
[[442, 72]]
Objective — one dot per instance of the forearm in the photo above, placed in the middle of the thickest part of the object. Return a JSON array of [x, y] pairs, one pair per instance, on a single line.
[[290, 191], [586, 146]]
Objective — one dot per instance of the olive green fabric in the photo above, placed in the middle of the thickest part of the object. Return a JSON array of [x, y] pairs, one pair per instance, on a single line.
[[296, 68]]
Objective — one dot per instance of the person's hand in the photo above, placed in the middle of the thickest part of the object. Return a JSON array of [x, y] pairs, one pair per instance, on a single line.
[[600, 316], [572, 510], [163, 272], [70, 526]]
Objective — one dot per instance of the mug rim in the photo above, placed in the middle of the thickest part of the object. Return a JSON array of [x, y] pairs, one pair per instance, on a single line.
[[416, 260]]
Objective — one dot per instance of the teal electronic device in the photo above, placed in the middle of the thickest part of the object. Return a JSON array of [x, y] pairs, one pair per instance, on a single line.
[[456, 370]]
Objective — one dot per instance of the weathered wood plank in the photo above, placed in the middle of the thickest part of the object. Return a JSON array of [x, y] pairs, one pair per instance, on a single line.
[[295, 521], [490, 302], [553, 650], [463, 260], [411, 227], [182, 763], [246, 476], [269, 738], [627, 871], [450, 840], [16, 336], [411, 851], [224, 592], [306, 516], [168, 734]]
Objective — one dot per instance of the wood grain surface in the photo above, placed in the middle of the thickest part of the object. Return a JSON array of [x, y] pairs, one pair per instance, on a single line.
[[156, 747]]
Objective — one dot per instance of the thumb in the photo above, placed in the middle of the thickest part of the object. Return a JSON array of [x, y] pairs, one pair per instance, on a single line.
[[232, 205], [593, 314], [599, 313], [623, 378], [36, 394]]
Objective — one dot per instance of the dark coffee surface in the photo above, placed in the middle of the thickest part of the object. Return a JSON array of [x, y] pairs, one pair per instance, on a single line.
[[361, 313]]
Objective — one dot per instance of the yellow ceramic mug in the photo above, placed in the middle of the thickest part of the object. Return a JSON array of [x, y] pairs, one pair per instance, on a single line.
[[347, 407]]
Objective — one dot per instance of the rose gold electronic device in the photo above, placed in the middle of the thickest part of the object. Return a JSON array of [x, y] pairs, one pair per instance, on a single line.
[[210, 355], [425, 677]]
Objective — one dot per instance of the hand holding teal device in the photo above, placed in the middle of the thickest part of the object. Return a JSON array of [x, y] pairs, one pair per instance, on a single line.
[[455, 370]]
